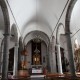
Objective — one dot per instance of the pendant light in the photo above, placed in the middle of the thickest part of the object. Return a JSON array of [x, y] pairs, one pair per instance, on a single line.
[[36, 50]]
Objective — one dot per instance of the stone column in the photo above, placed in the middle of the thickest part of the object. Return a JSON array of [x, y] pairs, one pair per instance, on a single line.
[[19, 54], [48, 59], [70, 55], [1, 55], [0, 59], [15, 68], [59, 59], [5, 57], [53, 56]]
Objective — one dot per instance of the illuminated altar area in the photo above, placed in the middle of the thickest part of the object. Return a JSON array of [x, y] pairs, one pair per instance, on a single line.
[[37, 56]]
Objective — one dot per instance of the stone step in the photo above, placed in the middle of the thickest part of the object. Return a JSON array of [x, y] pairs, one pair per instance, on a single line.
[[37, 76]]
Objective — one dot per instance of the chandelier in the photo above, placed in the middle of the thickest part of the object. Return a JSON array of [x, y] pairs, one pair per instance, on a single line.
[[36, 50], [36, 40]]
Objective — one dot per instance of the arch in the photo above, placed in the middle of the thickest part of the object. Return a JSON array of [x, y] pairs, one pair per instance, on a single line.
[[68, 16], [44, 49], [38, 38], [57, 32], [68, 37], [6, 16], [35, 26], [37, 34], [1, 20], [14, 33], [6, 38], [58, 56]]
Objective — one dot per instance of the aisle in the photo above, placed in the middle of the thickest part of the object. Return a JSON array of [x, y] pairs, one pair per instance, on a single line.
[[37, 77]]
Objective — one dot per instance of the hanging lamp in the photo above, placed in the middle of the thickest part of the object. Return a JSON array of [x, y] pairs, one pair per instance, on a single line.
[[36, 50]]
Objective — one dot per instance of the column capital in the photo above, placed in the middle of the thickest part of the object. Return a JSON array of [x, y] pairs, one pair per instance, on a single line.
[[16, 44], [57, 44], [6, 34], [68, 33]]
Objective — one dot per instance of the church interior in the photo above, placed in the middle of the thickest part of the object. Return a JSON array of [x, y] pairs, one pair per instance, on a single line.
[[39, 39]]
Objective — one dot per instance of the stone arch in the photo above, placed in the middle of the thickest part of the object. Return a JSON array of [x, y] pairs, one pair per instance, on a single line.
[[14, 32], [43, 50], [6, 20], [57, 32], [47, 43], [44, 37], [5, 15], [68, 16], [6, 38], [68, 37], [36, 32], [58, 56]]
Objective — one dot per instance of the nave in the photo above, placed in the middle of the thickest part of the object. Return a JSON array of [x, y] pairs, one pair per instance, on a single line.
[[40, 37]]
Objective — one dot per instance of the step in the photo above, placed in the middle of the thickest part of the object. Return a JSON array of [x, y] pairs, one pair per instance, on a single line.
[[37, 76]]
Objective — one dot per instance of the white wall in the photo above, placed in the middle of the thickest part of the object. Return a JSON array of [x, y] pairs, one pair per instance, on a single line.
[[63, 44]]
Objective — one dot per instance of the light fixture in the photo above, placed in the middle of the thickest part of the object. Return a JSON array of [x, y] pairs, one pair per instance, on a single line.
[[36, 50]]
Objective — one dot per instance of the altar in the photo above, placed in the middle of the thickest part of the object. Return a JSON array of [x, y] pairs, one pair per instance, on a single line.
[[37, 69]]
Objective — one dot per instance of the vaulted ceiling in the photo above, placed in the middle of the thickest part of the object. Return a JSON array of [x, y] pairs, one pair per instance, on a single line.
[[40, 15]]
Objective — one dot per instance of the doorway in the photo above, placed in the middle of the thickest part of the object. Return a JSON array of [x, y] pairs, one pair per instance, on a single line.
[[11, 60], [63, 59]]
